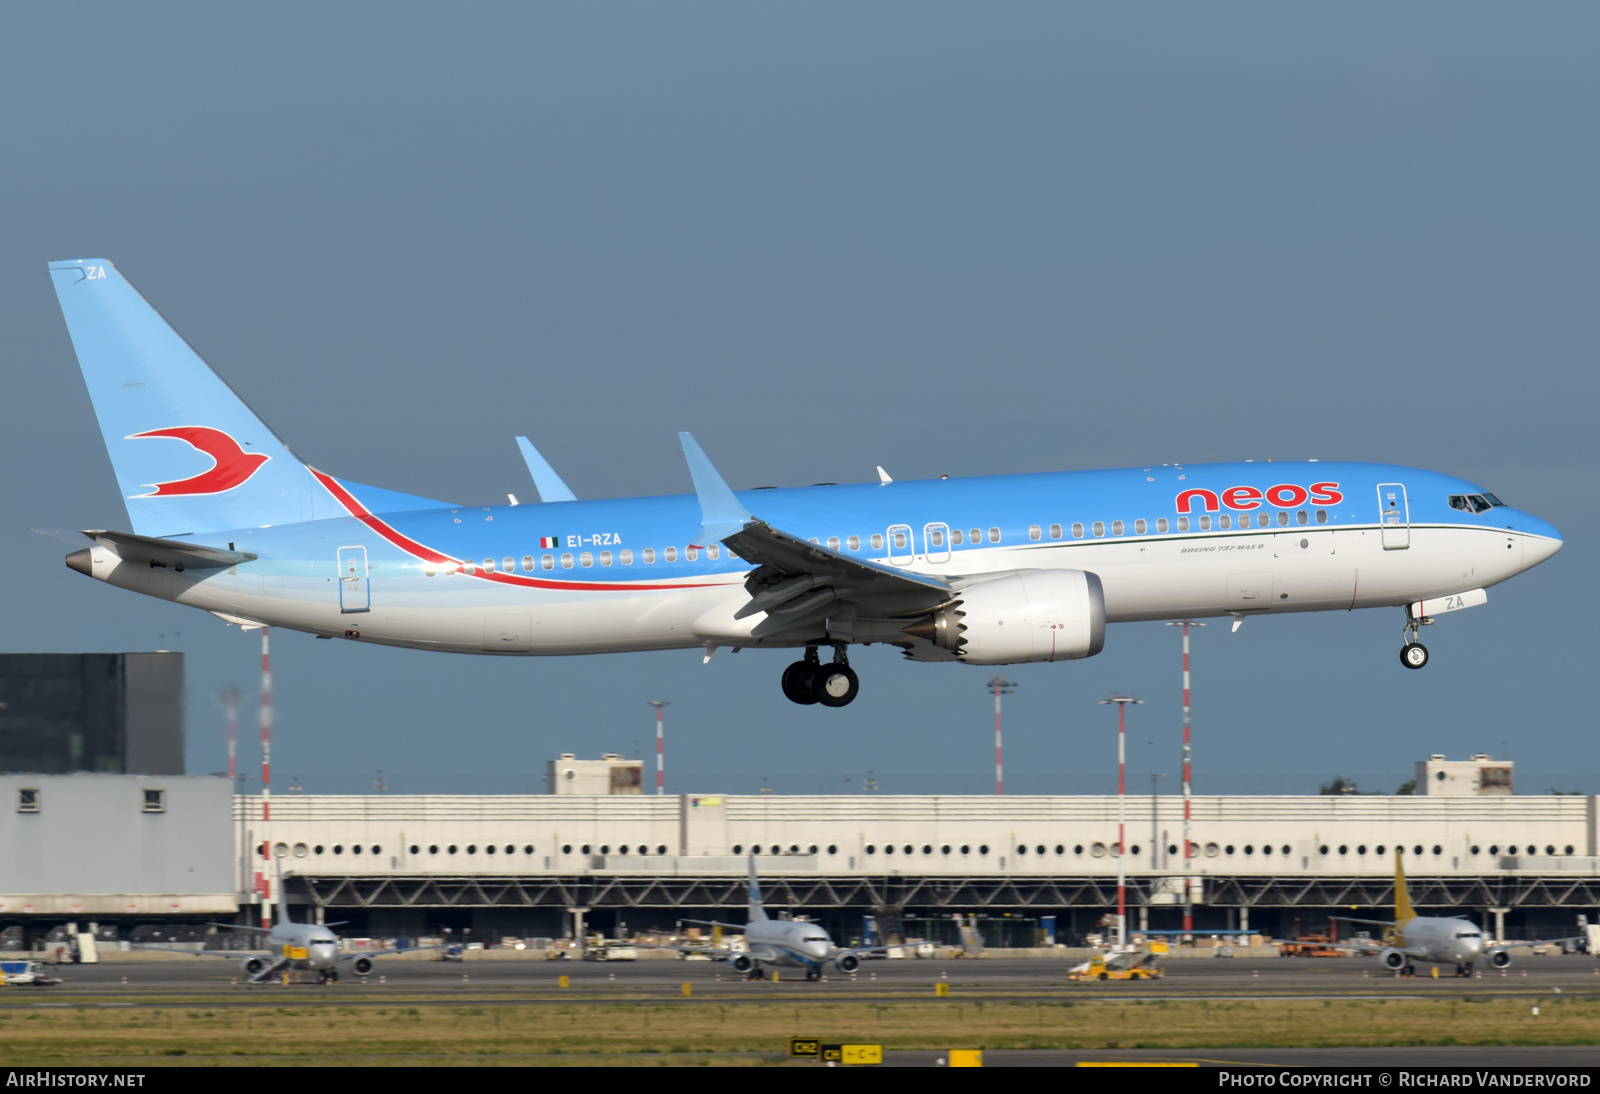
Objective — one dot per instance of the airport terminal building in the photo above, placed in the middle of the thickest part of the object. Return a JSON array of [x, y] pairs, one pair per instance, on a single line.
[[125, 851]]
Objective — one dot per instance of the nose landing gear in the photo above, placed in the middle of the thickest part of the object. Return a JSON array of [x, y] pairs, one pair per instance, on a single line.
[[810, 681], [1414, 655]]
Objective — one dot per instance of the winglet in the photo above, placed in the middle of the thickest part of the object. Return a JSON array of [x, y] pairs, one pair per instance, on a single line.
[[721, 515], [545, 479], [883, 477]]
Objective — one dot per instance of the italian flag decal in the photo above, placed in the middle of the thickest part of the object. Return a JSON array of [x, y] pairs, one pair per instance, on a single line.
[[548, 541]]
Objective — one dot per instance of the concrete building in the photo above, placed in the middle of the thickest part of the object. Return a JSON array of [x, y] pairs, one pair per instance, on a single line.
[[113, 713], [612, 773], [1477, 776], [123, 847]]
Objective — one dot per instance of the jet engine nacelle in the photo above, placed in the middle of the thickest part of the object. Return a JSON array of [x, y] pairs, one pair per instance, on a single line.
[[361, 966], [1392, 959], [1500, 958], [1039, 615], [252, 966], [848, 963], [742, 963]]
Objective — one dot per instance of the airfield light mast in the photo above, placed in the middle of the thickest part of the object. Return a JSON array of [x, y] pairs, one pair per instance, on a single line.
[[266, 781], [661, 777], [230, 700], [1000, 686], [1121, 702], [1188, 802]]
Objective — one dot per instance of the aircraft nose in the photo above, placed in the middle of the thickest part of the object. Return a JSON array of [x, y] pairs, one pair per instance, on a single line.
[[1543, 540]]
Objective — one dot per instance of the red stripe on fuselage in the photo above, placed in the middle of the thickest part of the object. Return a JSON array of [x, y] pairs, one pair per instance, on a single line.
[[428, 554]]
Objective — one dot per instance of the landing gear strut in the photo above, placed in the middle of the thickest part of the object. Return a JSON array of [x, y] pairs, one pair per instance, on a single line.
[[810, 681], [1464, 969], [1414, 655]]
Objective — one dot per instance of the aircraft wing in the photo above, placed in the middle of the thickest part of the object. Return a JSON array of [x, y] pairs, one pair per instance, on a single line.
[[235, 954], [798, 583]]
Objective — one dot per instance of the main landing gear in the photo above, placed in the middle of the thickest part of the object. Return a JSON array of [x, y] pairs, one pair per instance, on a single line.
[[810, 681], [1464, 969], [1414, 655]]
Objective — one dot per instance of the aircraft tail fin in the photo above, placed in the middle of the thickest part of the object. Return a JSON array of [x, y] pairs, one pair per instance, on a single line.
[[758, 911], [189, 455], [1402, 900]]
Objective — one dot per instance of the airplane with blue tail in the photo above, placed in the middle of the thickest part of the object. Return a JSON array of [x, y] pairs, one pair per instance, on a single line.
[[990, 570]]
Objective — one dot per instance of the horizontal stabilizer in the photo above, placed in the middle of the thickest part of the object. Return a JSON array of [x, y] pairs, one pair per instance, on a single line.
[[169, 552]]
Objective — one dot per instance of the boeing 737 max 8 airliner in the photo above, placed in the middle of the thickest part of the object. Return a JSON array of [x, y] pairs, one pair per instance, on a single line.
[[987, 571]]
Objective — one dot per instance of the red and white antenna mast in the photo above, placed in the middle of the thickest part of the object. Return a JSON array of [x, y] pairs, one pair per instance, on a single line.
[[1188, 803], [661, 771], [1000, 686]]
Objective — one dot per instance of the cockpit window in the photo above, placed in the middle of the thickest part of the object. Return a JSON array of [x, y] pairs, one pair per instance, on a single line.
[[1469, 934], [1474, 503]]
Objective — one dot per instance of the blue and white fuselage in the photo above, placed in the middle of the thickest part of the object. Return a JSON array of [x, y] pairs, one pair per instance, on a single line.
[[941, 568]]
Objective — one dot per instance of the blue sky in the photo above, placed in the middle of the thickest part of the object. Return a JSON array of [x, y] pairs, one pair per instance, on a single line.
[[961, 239]]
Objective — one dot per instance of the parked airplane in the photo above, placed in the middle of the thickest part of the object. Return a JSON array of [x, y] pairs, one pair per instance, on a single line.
[[986, 571], [1442, 940], [795, 943]]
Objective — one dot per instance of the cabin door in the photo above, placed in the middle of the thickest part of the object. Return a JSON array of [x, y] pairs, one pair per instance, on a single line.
[[1394, 516]]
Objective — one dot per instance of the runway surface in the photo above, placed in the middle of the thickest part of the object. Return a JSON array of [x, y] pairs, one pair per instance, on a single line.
[[529, 981]]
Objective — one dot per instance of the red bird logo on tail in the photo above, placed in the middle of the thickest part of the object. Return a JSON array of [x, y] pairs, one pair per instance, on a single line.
[[233, 466]]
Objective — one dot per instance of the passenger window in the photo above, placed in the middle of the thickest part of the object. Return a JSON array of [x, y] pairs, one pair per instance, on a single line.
[[994, 535], [649, 555], [1205, 523], [625, 557], [899, 541], [1322, 516], [713, 551], [527, 563], [429, 569], [548, 562], [1034, 532], [833, 543], [936, 537], [1055, 531], [509, 565], [877, 541], [1283, 519], [957, 537], [586, 559], [1099, 528], [1224, 521], [1139, 527], [1262, 519], [670, 554], [1300, 517], [468, 568], [566, 562], [488, 565], [854, 543], [1077, 531], [975, 536], [1183, 524], [1116, 527], [1161, 524], [605, 558], [691, 553]]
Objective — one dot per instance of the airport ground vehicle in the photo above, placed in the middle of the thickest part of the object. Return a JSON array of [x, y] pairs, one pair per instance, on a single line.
[[1311, 945], [1135, 965], [29, 973]]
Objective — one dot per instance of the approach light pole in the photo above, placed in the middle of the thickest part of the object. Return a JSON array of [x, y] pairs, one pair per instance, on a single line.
[[1122, 702], [661, 776], [1188, 803], [1000, 686]]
